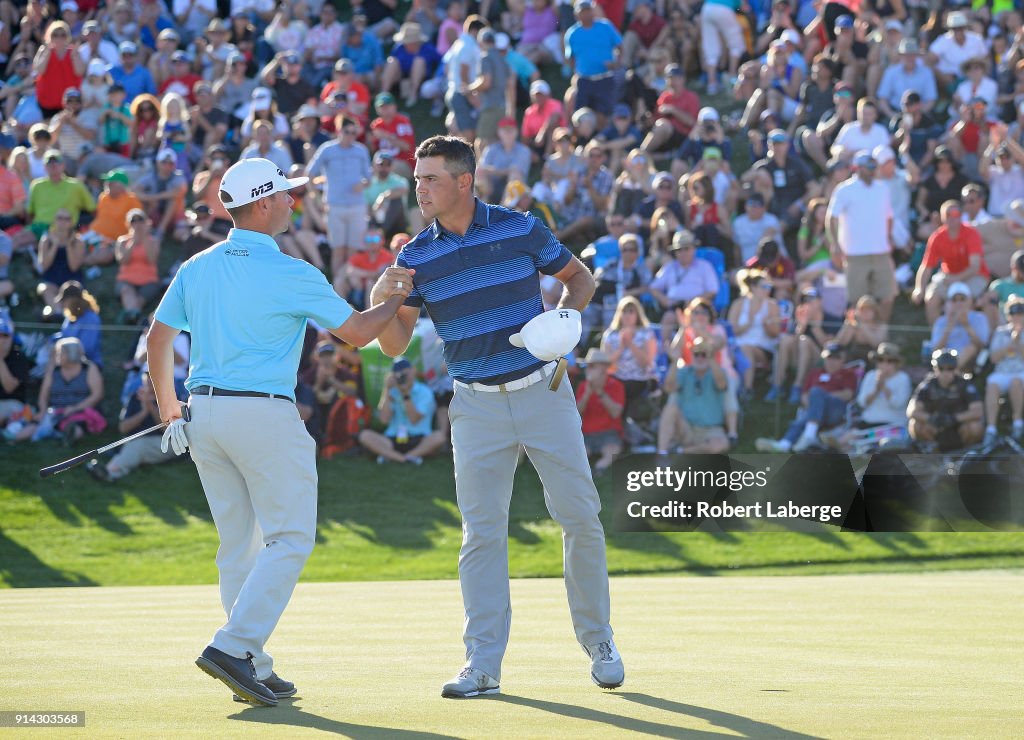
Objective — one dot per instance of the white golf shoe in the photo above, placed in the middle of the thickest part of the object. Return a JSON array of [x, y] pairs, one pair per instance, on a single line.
[[606, 667], [469, 683]]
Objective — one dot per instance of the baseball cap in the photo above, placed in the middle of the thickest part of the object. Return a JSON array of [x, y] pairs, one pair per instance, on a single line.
[[169, 33], [344, 65], [844, 21], [53, 155], [73, 93], [712, 152], [180, 56], [6, 325], [943, 152], [166, 155], [674, 70], [766, 114], [707, 113], [810, 292], [292, 58], [778, 136], [908, 46], [69, 5], [1015, 212], [833, 349], [682, 238], [584, 5], [958, 288], [72, 288], [487, 36], [886, 350], [117, 175], [400, 364], [383, 156], [791, 36], [864, 159], [90, 26], [384, 98], [128, 47], [217, 25], [235, 57], [956, 19], [261, 97], [621, 110], [663, 177], [893, 25], [883, 153], [755, 198], [508, 123], [779, 44], [945, 357], [540, 87], [305, 111], [501, 41], [251, 179], [97, 68]]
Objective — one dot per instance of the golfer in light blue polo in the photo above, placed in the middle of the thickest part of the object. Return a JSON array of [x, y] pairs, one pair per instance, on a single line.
[[246, 305]]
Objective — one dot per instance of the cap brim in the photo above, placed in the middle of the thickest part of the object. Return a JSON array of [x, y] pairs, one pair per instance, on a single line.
[[296, 182], [516, 340]]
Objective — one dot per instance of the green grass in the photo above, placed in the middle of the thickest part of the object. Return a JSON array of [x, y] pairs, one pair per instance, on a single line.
[[389, 522], [924, 656]]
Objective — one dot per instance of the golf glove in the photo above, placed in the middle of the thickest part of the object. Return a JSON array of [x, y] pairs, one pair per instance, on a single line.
[[174, 437]]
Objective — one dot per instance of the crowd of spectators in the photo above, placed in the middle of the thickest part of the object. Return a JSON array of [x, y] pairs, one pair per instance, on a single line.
[[765, 190]]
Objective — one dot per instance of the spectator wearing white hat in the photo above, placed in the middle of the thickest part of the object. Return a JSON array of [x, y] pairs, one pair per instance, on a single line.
[[953, 48], [541, 118], [96, 46], [901, 184], [973, 199], [960, 327], [859, 222], [135, 78]]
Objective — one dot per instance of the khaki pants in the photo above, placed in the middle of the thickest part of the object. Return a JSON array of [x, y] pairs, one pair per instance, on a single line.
[[487, 431], [871, 274], [257, 464]]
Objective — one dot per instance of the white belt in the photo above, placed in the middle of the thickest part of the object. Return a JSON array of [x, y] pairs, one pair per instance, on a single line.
[[513, 385]]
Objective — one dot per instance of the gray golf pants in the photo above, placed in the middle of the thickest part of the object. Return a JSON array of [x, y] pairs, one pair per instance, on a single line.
[[487, 431], [257, 464]]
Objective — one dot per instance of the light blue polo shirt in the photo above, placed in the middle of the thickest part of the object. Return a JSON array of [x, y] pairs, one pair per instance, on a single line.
[[245, 305], [423, 401]]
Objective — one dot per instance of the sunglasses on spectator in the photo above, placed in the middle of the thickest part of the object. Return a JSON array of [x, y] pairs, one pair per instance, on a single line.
[[958, 298], [887, 359], [62, 217], [372, 238], [700, 354], [137, 219], [628, 249], [1016, 309], [665, 186], [946, 369], [765, 285], [384, 162]]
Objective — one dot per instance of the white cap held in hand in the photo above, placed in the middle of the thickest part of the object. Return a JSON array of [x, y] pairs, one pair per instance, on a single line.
[[550, 335]]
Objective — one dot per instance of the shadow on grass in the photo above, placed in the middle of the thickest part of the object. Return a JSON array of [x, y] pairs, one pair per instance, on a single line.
[[736, 724], [19, 567], [292, 715]]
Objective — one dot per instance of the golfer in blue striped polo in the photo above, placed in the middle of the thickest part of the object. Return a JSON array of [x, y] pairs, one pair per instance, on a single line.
[[477, 269]]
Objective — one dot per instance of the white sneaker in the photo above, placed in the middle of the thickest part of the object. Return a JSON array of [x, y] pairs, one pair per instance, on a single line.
[[606, 669], [805, 441], [470, 682], [767, 444]]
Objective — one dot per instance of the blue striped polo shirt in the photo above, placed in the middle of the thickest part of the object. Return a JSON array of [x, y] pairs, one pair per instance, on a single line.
[[481, 288]]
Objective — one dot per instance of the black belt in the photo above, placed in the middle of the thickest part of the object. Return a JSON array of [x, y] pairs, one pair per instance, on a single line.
[[205, 390]]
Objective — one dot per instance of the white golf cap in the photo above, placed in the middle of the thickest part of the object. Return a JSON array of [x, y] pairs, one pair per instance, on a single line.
[[540, 87], [550, 335], [707, 114], [261, 97], [883, 153], [958, 288], [956, 19], [252, 179], [501, 41], [791, 36]]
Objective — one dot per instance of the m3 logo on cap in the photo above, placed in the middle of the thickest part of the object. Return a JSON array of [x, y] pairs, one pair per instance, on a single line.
[[261, 189]]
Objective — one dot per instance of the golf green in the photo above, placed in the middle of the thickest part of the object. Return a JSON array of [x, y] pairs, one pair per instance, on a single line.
[[908, 655]]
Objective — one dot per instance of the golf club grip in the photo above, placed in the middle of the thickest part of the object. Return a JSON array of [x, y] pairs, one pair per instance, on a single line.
[[66, 464]]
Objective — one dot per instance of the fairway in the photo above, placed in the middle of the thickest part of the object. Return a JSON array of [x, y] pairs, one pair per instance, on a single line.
[[929, 655]]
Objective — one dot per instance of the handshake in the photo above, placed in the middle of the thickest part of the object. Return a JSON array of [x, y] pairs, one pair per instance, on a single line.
[[394, 281]]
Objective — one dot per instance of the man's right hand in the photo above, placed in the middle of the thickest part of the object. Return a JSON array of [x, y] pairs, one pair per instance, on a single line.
[[394, 281]]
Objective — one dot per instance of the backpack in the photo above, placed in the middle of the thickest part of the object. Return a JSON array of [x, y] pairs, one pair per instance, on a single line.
[[348, 416]]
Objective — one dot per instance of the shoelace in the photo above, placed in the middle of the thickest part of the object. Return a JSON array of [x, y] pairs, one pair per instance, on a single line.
[[252, 667], [465, 673], [605, 649]]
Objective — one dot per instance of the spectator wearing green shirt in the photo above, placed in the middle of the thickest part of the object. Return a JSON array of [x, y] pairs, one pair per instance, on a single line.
[[386, 194], [56, 191], [1002, 289]]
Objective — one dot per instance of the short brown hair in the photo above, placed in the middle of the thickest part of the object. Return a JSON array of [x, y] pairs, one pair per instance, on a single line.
[[458, 155]]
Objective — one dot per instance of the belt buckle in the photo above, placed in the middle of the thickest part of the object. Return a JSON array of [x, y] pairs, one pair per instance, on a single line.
[[502, 388]]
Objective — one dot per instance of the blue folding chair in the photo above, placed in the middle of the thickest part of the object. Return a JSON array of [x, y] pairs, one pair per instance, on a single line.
[[717, 260]]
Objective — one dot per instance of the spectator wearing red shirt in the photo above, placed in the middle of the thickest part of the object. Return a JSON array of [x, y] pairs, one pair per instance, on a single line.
[[345, 94], [614, 11], [677, 110], [392, 132], [541, 118], [646, 29], [970, 135], [182, 78], [828, 391], [957, 250], [600, 399], [12, 189], [779, 267]]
